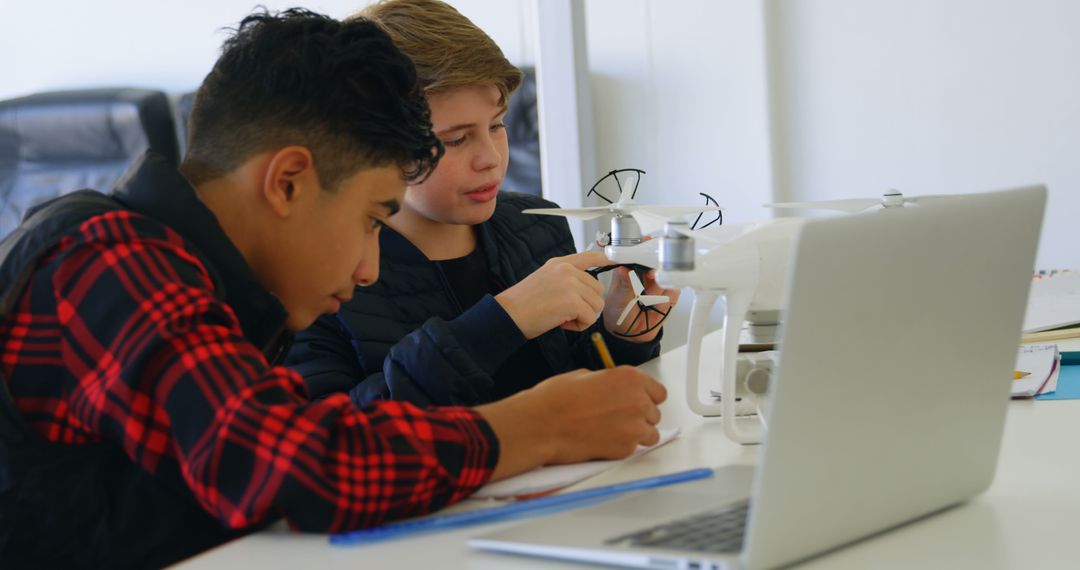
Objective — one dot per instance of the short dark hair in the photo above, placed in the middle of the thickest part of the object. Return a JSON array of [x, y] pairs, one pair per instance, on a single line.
[[340, 89]]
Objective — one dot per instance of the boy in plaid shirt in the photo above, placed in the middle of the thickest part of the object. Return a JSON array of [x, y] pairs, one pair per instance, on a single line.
[[142, 417]]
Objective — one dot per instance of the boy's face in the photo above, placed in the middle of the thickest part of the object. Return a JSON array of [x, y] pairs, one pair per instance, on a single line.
[[331, 243], [463, 187]]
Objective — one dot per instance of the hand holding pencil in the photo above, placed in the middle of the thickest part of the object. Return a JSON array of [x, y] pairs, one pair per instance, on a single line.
[[576, 416], [602, 350]]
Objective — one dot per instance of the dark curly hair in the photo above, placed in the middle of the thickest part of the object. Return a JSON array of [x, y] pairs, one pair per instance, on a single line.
[[340, 89]]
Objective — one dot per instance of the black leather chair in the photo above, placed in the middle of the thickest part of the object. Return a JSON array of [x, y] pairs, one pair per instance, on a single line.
[[523, 132], [57, 142], [183, 111]]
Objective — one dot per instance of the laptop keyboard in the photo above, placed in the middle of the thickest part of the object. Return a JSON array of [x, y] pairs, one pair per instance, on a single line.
[[719, 530]]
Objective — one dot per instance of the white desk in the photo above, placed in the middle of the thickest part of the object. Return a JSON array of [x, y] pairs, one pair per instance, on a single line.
[[1029, 518]]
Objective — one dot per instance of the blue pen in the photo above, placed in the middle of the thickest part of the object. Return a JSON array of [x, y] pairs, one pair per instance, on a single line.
[[458, 520]]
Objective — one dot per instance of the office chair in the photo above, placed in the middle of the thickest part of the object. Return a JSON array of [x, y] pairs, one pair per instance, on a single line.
[[523, 133], [183, 111], [56, 142]]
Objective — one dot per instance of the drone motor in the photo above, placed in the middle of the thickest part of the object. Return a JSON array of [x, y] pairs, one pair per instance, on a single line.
[[625, 230], [676, 248]]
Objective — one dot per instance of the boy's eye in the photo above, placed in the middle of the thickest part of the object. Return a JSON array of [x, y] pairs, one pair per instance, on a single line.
[[376, 224], [498, 126], [455, 142]]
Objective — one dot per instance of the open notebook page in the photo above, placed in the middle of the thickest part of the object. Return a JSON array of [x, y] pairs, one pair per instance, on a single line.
[[554, 477]]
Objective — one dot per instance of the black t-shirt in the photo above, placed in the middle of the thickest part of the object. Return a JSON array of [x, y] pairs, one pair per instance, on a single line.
[[470, 280]]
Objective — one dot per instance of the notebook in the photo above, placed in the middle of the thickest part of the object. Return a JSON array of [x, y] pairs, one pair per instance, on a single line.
[[551, 478], [887, 404], [1038, 364]]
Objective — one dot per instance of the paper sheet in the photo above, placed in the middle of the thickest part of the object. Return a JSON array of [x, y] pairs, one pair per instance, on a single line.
[[554, 477]]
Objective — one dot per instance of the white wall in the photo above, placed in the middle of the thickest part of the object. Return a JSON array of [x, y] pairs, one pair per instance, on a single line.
[[679, 91], [812, 99], [47, 45], [695, 123], [818, 99], [931, 96]]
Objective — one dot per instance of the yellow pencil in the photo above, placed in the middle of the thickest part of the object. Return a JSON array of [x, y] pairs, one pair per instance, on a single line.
[[601, 349], [1018, 374]]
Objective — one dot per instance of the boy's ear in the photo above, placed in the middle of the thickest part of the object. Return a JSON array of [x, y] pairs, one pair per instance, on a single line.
[[290, 176]]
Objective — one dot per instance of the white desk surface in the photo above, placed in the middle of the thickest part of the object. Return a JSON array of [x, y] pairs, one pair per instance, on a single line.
[[1029, 518]]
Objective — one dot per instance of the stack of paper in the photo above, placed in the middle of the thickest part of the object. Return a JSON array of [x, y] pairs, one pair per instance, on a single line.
[[1053, 302], [1038, 364]]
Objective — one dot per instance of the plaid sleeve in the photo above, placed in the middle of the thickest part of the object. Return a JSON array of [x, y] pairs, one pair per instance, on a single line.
[[162, 368]]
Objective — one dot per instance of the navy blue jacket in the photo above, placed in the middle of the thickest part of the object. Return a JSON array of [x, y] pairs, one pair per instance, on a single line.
[[407, 338]]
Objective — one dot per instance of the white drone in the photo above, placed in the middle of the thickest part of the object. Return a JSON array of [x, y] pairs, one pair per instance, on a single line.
[[746, 266], [890, 199], [625, 243]]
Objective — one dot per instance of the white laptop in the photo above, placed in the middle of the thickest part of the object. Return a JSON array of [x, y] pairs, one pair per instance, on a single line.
[[888, 401]]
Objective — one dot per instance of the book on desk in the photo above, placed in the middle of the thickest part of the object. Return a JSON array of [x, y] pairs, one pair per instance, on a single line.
[[1053, 309]]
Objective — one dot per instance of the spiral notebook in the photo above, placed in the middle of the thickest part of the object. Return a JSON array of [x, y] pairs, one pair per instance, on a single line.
[[1039, 364]]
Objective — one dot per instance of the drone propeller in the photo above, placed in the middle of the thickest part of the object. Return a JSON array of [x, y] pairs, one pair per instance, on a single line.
[[627, 187], [620, 208], [625, 205], [665, 213], [579, 213], [850, 206], [891, 199], [644, 300]]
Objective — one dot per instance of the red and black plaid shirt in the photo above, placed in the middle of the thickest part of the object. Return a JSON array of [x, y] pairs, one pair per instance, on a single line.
[[120, 338]]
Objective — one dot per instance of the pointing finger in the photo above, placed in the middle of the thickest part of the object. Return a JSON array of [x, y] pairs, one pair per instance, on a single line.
[[587, 259]]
